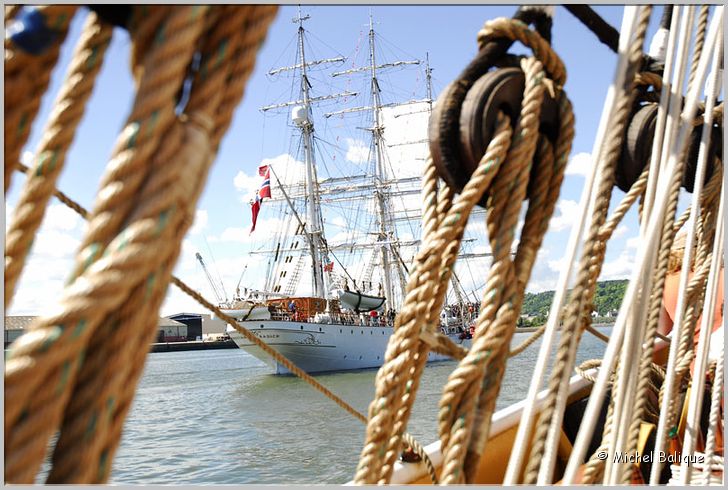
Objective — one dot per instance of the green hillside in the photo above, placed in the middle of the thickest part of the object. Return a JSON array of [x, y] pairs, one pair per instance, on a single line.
[[607, 299]]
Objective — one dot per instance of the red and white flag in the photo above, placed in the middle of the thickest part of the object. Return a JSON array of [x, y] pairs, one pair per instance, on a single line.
[[263, 192]]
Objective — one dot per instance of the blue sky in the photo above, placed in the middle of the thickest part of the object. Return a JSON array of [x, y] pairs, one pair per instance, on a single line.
[[447, 33]]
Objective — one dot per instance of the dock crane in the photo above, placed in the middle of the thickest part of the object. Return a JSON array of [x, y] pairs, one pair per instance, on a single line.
[[215, 289]]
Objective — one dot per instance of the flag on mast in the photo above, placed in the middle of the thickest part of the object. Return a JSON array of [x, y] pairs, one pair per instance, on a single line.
[[264, 191]]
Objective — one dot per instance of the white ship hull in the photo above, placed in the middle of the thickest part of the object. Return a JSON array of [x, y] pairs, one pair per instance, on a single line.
[[317, 347]]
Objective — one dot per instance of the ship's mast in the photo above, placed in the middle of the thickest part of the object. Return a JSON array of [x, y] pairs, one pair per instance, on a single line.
[[313, 229], [380, 173]]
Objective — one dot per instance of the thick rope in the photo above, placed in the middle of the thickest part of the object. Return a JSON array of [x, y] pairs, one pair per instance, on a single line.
[[426, 274], [593, 253], [51, 153], [376, 460], [158, 217], [135, 312], [464, 418], [26, 80]]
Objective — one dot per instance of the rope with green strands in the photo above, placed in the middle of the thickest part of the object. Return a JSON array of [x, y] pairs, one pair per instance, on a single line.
[[42, 365], [469, 396], [129, 318], [51, 153], [576, 316], [162, 70], [26, 80]]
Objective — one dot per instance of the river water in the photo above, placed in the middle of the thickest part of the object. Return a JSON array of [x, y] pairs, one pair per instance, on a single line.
[[219, 417]]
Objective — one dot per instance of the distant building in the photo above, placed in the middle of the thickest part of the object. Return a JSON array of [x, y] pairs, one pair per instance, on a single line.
[[212, 327], [171, 331], [14, 327], [193, 322]]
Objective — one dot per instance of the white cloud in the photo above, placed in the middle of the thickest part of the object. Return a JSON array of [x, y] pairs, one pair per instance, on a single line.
[[620, 231], [567, 211], [201, 218], [619, 268], [579, 164], [61, 217], [248, 184], [55, 243], [557, 265], [264, 229], [357, 151], [27, 158], [633, 242], [235, 234]]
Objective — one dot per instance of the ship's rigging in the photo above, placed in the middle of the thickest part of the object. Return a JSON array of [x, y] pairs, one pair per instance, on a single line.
[[374, 204]]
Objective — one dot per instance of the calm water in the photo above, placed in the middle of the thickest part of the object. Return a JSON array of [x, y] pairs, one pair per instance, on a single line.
[[219, 417]]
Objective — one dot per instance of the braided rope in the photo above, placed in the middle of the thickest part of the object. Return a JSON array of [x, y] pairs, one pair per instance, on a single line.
[[26, 80], [158, 216], [420, 451], [51, 154], [516, 30], [464, 419], [376, 459], [592, 258], [699, 42], [249, 37], [653, 316], [132, 316], [162, 71]]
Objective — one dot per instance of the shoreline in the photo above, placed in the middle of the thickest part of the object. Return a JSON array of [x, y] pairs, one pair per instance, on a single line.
[[533, 329]]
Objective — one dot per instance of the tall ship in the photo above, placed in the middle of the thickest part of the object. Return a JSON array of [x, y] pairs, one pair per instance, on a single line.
[[339, 257]]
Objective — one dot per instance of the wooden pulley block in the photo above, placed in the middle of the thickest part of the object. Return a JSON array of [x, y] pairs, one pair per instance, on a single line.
[[638, 148], [500, 90]]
